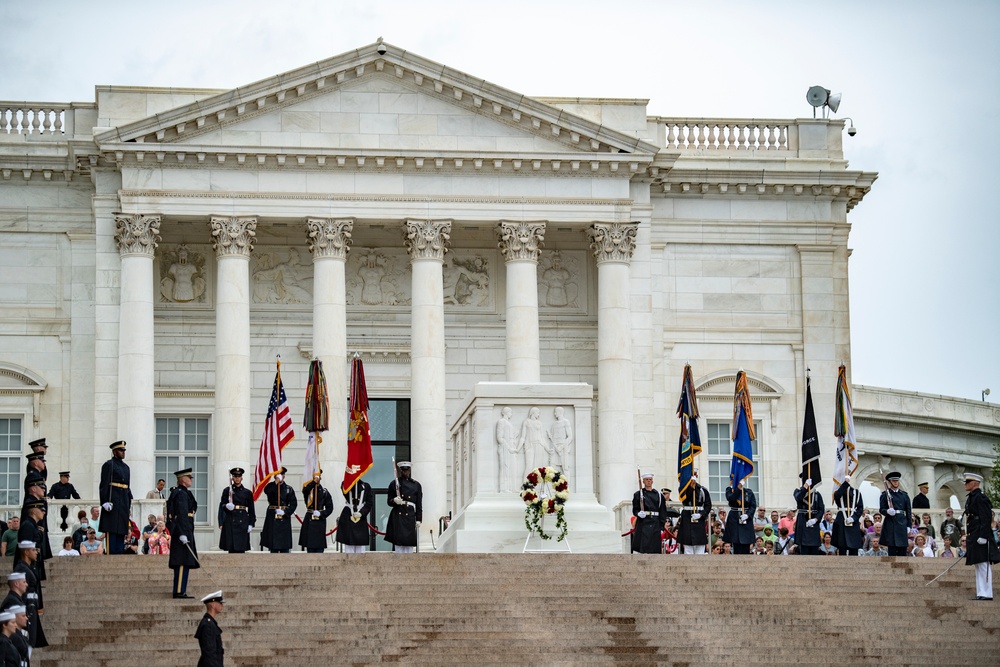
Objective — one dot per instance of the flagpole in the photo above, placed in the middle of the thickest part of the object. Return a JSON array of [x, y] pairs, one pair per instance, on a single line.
[[277, 382]]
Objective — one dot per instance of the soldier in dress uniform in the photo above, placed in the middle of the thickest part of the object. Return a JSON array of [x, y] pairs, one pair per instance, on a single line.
[[692, 528], [808, 513], [209, 634], [650, 510], [18, 587], [319, 506], [237, 515], [894, 505], [181, 508], [8, 652], [406, 498], [921, 501], [352, 526], [739, 525], [20, 637], [981, 548], [28, 566], [63, 490], [38, 447], [281, 504], [847, 535], [116, 498], [32, 528]]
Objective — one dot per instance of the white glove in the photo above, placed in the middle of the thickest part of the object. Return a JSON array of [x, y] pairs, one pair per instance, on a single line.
[[981, 540], [743, 517], [418, 524], [849, 521], [641, 514], [847, 478], [811, 522], [230, 506], [809, 482], [398, 501], [891, 512], [249, 529], [315, 514], [184, 539], [107, 507], [696, 516], [279, 478], [279, 512]]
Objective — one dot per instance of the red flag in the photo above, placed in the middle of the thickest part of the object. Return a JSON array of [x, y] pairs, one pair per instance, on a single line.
[[359, 439], [278, 432]]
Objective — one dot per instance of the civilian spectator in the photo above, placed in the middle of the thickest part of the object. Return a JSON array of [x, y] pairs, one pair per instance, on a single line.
[[68, 549], [951, 526], [759, 521], [930, 527], [929, 540], [132, 539], [788, 521], [876, 548], [91, 546], [717, 549], [768, 548], [159, 540], [769, 536], [783, 545], [826, 525], [80, 534], [878, 518], [877, 533], [961, 547], [9, 538], [758, 547], [716, 533], [147, 530], [775, 518], [921, 548], [868, 525], [159, 492], [827, 548], [727, 549], [948, 551], [95, 521]]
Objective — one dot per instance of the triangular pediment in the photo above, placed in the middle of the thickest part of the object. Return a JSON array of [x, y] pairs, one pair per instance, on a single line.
[[379, 97]]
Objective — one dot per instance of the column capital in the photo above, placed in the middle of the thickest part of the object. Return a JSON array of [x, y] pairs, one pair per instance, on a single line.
[[137, 234], [329, 237], [613, 241], [520, 240], [233, 236], [426, 239]]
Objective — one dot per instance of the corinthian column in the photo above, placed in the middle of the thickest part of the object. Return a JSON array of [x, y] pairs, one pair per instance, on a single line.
[[233, 240], [520, 242], [137, 237], [426, 241], [330, 241], [613, 245]]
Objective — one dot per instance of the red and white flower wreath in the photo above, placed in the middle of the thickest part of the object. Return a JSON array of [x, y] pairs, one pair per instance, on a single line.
[[545, 491]]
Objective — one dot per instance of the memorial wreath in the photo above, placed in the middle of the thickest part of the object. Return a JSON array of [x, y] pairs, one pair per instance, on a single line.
[[538, 502]]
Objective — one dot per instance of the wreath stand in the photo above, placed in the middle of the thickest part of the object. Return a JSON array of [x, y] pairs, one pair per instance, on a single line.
[[541, 545]]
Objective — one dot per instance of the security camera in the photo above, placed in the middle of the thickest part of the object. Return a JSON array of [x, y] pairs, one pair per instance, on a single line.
[[380, 47], [851, 131]]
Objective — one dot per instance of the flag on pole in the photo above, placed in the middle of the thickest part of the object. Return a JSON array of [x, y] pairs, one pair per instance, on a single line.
[[690, 441], [743, 433], [278, 432], [810, 441], [316, 418], [843, 427], [359, 439]]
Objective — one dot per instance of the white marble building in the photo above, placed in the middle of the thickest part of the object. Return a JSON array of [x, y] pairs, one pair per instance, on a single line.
[[159, 248]]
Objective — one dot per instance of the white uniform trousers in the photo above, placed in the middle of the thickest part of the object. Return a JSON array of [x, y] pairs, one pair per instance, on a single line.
[[984, 580], [355, 548], [406, 550], [698, 549]]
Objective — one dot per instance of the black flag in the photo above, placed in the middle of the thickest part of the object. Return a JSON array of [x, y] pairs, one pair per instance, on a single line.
[[810, 442]]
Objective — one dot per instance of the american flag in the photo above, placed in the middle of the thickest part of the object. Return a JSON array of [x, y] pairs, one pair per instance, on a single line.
[[278, 432]]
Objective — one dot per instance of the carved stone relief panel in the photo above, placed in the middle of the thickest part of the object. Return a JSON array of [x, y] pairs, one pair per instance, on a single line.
[[183, 274], [378, 278], [281, 275], [562, 281], [532, 437], [468, 279]]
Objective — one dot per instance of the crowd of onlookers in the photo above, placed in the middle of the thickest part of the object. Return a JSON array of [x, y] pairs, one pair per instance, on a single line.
[[88, 540], [775, 535]]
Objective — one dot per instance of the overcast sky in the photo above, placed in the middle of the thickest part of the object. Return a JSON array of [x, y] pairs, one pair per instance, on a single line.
[[920, 79]]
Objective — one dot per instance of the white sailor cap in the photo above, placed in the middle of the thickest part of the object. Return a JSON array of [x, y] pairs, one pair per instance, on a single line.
[[404, 464], [214, 597], [17, 609], [647, 475], [27, 544], [973, 477], [6, 616], [14, 576]]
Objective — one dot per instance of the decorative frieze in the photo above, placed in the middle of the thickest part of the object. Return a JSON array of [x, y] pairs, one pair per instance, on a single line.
[[233, 236], [427, 239], [329, 237], [520, 240], [137, 234], [613, 241]]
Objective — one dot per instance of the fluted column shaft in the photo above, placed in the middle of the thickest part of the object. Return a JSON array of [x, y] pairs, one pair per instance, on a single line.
[[613, 245], [330, 241], [137, 237], [233, 240], [426, 241], [520, 242]]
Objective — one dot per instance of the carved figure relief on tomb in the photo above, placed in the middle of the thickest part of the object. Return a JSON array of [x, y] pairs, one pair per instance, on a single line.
[[182, 275], [561, 281], [377, 279], [281, 277], [466, 281], [510, 461], [535, 444]]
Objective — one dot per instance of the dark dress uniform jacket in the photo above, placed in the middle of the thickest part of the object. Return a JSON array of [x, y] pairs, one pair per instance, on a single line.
[[692, 532], [844, 536], [362, 499], [921, 502], [312, 535], [114, 474], [60, 491], [29, 531], [804, 535], [647, 538], [20, 641], [181, 507], [235, 538], [895, 529], [402, 527], [979, 515], [9, 654], [33, 601], [736, 532], [277, 533], [209, 636]]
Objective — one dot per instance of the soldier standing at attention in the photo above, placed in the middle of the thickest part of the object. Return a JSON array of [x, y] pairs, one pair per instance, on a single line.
[[181, 508], [650, 510], [982, 548], [281, 504], [209, 634], [237, 516], [894, 505], [352, 526], [116, 498], [406, 498], [319, 506]]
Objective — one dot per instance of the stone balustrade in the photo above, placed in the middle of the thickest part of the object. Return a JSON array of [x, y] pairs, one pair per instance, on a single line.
[[49, 120], [726, 134]]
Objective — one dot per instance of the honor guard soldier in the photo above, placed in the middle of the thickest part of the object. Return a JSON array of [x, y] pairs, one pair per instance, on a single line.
[[38, 447], [8, 627], [650, 510], [809, 510], [237, 515], [116, 498], [181, 508], [981, 547], [894, 505], [32, 528], [847, 535], [209, 634], [20, 637], [692, 527], [63, 490], [406, 498], [319, 506], [28, 566], [352, 526], [18, 587], [281, 504], [921, 501], [739, 525]]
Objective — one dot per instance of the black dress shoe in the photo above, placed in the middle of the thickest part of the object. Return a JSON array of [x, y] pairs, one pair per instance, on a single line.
[[183, 596], [982, 597]]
